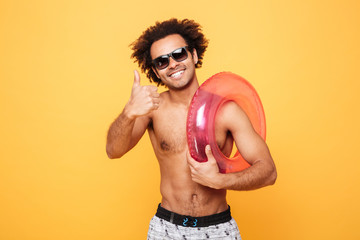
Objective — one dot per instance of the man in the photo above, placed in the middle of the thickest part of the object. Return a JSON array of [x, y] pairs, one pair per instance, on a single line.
[[193, 204]]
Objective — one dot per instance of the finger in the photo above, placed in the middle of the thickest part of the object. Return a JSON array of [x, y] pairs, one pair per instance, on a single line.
[[192, 162], [152, 88], [156, 100], [196, 179], [136, 79], [208, 153], [155, 94], [188, 156], [155, 106], [192, 170]]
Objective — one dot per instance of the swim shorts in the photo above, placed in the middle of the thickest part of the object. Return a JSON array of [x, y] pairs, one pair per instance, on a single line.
[[169, 225]]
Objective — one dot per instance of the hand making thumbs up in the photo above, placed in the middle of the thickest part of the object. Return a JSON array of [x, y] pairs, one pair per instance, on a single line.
[[143, 99]]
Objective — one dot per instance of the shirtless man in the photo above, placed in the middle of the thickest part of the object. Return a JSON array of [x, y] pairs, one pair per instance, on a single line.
[[193, 204]]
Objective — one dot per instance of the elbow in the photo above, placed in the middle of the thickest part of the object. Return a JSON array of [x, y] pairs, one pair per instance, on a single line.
[[111, 153], [273, 176]]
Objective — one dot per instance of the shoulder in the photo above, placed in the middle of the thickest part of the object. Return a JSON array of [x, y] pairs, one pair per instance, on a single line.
[[229, 110], [231, 116]]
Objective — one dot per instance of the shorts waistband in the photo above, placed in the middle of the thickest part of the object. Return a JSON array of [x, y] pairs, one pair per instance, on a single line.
[[188, 221]]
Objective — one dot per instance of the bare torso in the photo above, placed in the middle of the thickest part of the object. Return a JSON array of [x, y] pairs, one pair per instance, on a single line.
[[180, 194], [164, 116]]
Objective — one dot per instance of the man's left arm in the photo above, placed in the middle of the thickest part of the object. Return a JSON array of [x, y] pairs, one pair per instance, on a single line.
[[252, 148]]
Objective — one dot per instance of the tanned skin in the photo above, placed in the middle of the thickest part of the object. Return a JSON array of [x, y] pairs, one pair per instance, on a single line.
[[187, 186]]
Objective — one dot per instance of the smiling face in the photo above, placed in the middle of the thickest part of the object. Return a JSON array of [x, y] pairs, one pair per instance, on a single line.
[[177, 75]]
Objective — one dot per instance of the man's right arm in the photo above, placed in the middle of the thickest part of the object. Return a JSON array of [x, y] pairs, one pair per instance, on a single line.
[[125, 132]]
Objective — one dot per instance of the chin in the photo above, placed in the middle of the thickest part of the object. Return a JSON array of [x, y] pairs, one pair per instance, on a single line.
[[179, 84]]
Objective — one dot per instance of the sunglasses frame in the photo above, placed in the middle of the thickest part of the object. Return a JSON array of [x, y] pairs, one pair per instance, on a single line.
[[167, 56]]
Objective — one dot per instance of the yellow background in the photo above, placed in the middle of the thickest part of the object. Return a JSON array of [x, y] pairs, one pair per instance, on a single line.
[[66, 73]]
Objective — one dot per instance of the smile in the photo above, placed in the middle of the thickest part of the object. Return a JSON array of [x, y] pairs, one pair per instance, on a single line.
[[177, 74]]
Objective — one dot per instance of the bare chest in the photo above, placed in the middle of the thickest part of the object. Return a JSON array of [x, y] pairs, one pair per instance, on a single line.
[[168, 131]]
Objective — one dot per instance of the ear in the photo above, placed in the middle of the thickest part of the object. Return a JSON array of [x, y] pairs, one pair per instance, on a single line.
[[195, 56], [156, 73]]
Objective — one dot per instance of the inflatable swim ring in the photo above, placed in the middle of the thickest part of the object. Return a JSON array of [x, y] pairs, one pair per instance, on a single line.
[[209, 97]]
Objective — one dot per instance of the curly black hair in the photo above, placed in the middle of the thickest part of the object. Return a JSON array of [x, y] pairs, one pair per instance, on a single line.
[[188, 29]]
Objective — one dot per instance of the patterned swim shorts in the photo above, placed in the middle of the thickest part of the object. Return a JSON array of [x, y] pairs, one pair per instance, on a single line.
[[185, 227]]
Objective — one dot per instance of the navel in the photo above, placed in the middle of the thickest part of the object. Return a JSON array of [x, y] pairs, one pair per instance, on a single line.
[[194, 196]]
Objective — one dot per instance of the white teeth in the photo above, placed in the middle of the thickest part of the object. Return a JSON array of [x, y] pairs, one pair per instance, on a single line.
[[177, 74]]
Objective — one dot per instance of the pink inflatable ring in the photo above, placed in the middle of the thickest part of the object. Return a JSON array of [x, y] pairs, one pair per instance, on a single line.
[[200, 128]]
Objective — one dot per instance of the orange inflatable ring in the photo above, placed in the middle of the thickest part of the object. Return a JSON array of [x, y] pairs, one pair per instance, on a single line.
[[214, 92]]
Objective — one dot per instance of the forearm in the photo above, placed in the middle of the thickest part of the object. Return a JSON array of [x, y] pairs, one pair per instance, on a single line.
[[259, 175], [119, 135], [132, 123]]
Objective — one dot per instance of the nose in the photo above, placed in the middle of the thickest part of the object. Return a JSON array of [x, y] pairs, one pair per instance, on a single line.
[[172, 63]]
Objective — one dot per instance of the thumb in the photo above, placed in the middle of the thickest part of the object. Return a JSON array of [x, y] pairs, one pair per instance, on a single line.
[[136, 78], [208, 153]]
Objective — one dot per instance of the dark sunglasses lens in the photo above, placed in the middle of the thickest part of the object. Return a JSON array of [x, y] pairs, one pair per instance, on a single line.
[[179, 54], [162, 62]]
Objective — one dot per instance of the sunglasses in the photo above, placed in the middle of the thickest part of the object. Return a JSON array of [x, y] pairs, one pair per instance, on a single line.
[[178, 55]]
